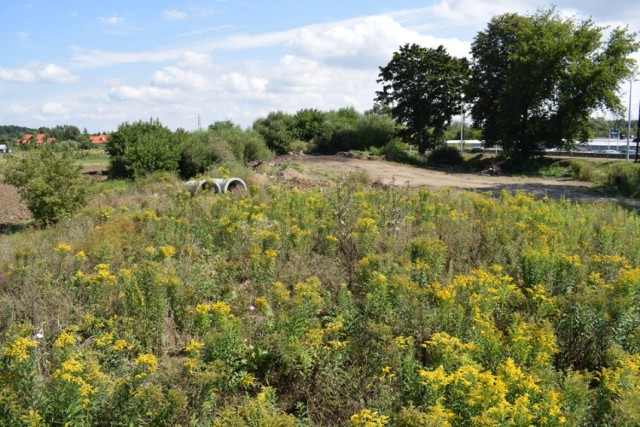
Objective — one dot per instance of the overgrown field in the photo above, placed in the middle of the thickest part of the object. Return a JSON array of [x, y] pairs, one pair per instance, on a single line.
[[348, 306]]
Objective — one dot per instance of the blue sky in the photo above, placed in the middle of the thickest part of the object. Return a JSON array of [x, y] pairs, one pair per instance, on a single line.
[[97, 64]]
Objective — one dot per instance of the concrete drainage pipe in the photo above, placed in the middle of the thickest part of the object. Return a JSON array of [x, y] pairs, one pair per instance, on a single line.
[[217, 185]]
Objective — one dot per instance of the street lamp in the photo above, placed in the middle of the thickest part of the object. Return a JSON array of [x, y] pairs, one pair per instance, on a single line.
[[629, 121], [462, 123]]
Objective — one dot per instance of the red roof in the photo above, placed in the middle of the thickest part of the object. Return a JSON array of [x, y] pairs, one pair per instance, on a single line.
[[40, 138], [99, 139]]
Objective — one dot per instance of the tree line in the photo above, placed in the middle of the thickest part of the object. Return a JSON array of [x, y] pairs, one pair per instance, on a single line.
[[532, 82]]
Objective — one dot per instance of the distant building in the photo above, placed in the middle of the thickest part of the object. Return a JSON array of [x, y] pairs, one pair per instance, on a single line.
[[99, 139], [4, 148], [40, 138]]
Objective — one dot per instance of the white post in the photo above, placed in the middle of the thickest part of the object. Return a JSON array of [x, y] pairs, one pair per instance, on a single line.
[[462, 123], [629, 120]]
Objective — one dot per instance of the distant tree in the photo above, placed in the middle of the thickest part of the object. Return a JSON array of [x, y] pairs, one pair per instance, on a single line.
[[139, 148], [49, 181], [423, 87], [277, 129], [308, 123], [225, 124], [537, 79]]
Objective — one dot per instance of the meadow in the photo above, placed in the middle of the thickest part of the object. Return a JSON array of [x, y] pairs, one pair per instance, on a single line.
[[342, 305]]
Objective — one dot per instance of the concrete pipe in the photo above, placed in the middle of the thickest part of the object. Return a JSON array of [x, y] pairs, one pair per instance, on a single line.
[[217, 185]]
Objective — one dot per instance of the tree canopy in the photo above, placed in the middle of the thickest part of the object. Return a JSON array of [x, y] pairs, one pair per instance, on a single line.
[[537, 79], [423, 87]]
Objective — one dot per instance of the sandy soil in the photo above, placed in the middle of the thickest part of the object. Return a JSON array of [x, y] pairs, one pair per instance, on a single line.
[[397, 174]]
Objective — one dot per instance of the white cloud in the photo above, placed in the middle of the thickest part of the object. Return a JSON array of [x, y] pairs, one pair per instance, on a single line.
[[364, 42], [114, 20], [243, 84], [145, 94], [54, 108], [18, 75], [176, 77], [56, 74], [173, 14], [195, 60], [22, 35]]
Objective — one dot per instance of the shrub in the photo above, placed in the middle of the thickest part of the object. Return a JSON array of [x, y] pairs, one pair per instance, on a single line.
[[625, 177], [49, 182], [445, 155], [220, 145], [583, 170], [142, 147]]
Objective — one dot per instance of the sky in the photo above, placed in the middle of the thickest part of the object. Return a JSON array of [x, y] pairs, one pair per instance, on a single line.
[[98, 64]]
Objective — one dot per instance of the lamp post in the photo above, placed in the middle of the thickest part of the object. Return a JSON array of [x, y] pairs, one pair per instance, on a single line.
[[629, 119], [462, 123]]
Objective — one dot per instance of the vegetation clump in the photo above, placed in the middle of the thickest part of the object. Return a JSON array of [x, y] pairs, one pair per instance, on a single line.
[[49, 182]]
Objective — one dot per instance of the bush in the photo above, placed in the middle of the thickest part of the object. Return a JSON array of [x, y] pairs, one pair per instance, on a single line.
[[49, 182], [142, 147], [583, 170], [201, 150], [445, 155], [625, 177]]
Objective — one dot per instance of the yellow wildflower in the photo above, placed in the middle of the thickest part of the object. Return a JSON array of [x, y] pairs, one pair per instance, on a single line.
[[19, 349]]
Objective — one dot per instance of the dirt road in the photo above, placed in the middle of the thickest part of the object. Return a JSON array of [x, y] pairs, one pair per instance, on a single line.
[[387, 173]]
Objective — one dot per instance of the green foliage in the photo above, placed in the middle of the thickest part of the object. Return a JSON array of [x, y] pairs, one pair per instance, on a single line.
[[139, 148], [423, 87], [536, 79], [277, 129], [445, 155], [625, 177], [349, 304], [49, 182], [220, 145]]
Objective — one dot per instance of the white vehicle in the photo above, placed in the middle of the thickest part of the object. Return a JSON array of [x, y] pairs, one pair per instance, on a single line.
[[4, 148]]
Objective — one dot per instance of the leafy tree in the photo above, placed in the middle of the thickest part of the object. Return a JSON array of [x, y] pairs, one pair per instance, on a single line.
[[423, 87], [308, 123], [221, 144], [49, 181], [277, 129], [142, 147], [537, 79]]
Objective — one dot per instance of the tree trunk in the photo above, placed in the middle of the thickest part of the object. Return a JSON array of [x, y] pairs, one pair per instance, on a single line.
[[422, 147]]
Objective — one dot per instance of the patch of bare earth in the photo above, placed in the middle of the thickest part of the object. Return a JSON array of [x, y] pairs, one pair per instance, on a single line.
[[317, 168], [12, 210]]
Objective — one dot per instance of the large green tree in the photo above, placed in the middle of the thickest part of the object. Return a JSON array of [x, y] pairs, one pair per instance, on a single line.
[[423, 87], [537, 79]]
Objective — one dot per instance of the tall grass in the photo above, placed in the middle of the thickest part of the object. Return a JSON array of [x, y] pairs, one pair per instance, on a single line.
[[350, 305]]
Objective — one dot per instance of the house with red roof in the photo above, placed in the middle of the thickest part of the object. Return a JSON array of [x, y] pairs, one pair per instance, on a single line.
[[40, 138], [99, 139]]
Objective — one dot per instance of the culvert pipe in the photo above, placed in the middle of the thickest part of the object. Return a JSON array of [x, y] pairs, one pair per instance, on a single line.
[[217, 185]]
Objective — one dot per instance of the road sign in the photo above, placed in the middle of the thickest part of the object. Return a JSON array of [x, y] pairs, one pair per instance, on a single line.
[[614, 133]]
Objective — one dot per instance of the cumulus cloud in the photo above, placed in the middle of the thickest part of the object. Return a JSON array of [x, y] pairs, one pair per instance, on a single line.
[[50, 73], [195, 60], [176, 77], [17, 75], [54, 108], [145, 94], [247, 85], [56, 74], [364, 42], [173, 14]]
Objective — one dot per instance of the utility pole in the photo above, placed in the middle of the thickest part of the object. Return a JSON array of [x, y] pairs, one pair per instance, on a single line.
[[638, 135], [629, 119], [199, 126]]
